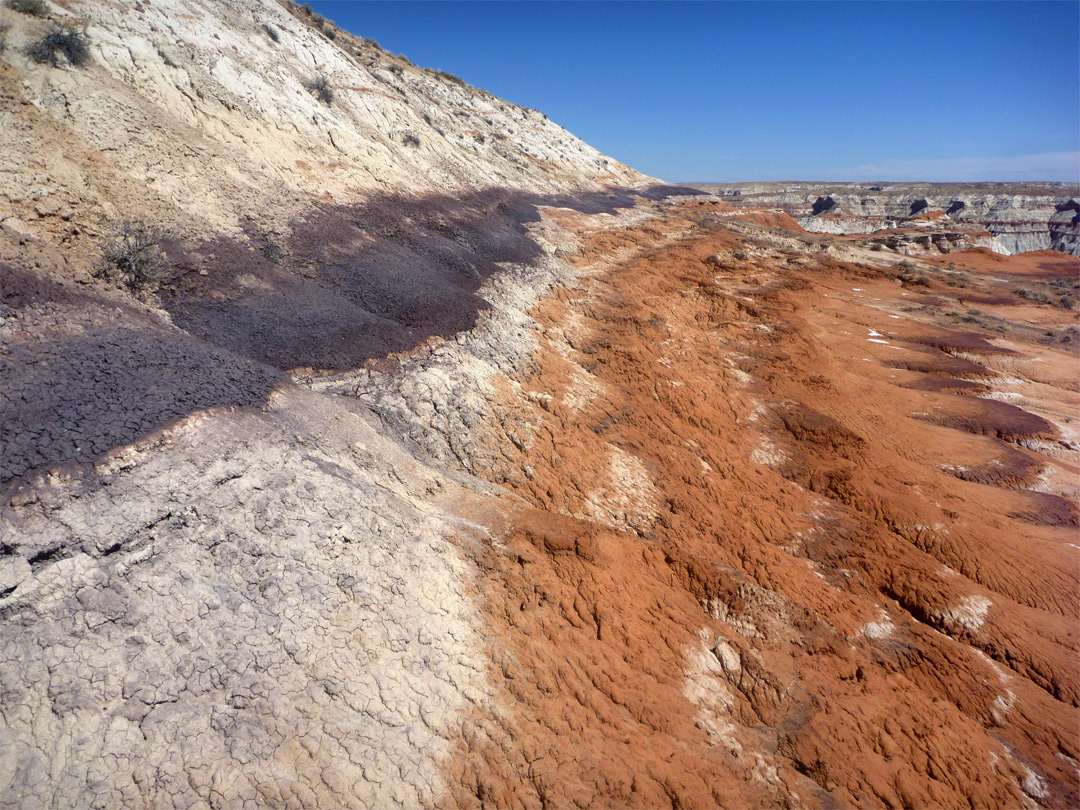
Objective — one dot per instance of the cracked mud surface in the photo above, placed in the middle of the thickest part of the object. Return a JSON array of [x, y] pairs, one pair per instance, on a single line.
[[697, 514], [264, 615]]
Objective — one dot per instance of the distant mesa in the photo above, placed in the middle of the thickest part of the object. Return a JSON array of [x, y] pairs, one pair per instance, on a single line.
[[1008, 218]]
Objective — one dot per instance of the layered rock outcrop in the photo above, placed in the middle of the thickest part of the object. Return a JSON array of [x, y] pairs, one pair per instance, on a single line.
[[1018, 217]]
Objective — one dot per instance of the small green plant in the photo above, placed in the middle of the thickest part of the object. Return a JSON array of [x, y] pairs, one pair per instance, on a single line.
[[61, 41], [271, 32], [320, 87], [877, 246], [132, 258], [905, 266], [35, 8]]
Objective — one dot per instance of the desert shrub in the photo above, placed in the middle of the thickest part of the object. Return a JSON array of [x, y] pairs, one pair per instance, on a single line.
[[905, 266], [320, 87], [132, 258], [410, 140], [331, 34], [1066, 302], [35, 8], [876, 246], [4, 28], [271, 32], [450, 77], [1038, 296], [270, 251], [307, 9], [370, 43], [319, 20], [61, 41], [397, 70]]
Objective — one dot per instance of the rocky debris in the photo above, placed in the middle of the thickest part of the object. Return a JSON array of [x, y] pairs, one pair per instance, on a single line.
[[547, 559], [1018, 217], [911, 242]]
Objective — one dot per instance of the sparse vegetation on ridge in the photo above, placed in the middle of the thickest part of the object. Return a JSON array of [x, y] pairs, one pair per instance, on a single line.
[[73, 45], [35, 8], [450, 77]]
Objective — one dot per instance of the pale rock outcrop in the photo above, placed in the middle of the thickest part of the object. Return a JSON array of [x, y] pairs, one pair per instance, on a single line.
[[1019, 217]]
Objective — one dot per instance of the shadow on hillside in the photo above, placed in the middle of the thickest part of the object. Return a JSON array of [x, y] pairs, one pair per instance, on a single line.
[[108, 376], [353, 283], [359, 282]]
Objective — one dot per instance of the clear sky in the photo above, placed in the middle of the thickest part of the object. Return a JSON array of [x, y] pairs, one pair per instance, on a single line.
[[731, 91]]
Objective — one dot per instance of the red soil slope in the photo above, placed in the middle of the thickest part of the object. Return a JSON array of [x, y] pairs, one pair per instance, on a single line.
[[774, 549]]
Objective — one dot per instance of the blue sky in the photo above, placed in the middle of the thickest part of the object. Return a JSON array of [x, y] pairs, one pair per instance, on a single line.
[[731, 91]]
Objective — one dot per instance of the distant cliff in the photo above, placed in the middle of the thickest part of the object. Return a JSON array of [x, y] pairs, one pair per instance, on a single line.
[[1018, 217]]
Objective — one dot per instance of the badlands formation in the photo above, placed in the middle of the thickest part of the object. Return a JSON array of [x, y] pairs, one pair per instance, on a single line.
[[449, 463], [1005, 217]]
